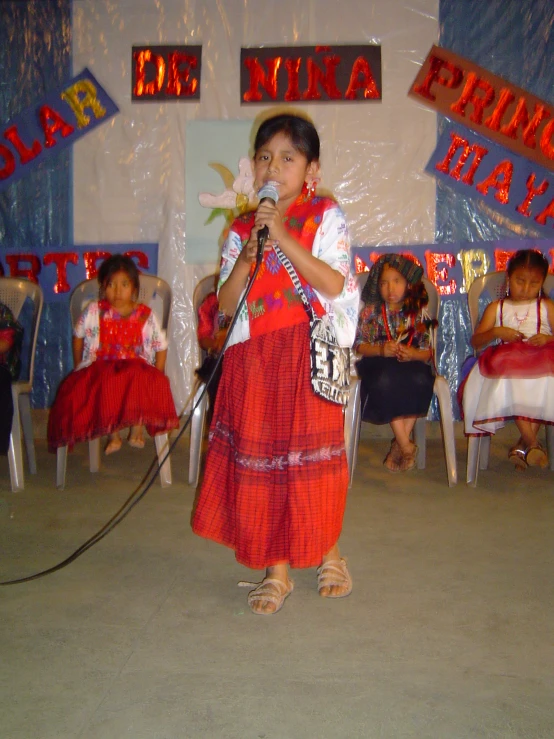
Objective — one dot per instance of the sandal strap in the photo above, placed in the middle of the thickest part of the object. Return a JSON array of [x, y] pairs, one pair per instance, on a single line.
[[266, 591], [409, 461], [334, 572]]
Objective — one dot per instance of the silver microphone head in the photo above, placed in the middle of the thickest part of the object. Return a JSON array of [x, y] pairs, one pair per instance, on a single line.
[[269, 190]]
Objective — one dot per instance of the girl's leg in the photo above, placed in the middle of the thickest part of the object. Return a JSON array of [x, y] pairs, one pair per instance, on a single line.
[[270, 594], [394, 455], [535, 456], [402, 449], [528, 431], [402, 429], [114, 443], [333, 579], [136, 437]]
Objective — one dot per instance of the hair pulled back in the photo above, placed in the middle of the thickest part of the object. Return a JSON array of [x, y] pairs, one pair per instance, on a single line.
[[530, 259], [118, 263], [301, 132]]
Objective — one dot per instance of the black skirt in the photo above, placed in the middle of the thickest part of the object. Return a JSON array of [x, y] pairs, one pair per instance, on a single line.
[[392, 389]]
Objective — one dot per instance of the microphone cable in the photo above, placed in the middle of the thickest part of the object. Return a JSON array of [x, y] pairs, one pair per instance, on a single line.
[[154, 469]]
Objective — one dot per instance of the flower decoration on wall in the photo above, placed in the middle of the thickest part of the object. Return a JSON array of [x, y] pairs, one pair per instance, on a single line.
[[239, 195]]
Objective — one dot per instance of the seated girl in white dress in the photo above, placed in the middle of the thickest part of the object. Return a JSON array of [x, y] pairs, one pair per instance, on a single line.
[[514, 379]]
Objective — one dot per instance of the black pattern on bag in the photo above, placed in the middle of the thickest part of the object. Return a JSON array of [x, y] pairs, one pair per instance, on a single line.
[[330, 363]]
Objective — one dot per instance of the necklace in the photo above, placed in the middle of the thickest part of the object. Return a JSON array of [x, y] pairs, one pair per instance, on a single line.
[[521, 320], [388, 331]]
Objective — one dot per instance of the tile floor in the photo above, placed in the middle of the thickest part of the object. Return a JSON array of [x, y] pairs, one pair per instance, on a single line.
[[447, 635]]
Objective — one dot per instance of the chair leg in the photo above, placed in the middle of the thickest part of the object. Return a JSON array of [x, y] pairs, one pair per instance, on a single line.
[[419, 440], [442, 391], [61, 466], [15, 454], [484, 452], [550, 444], [197, 427], [27, 424], [162, 446], [473, 450], [94, 454]]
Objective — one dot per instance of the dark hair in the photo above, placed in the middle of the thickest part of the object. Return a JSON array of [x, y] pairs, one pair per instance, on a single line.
[[530, 258], [300, 131], [118, 263], [415, 298]]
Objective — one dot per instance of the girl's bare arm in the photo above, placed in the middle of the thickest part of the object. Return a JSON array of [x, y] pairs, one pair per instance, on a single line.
[[159, 361], [486, 331], [77, 346]]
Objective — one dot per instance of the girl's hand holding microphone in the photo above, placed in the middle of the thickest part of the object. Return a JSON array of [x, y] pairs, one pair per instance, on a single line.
[[268, 215], [250, 251]]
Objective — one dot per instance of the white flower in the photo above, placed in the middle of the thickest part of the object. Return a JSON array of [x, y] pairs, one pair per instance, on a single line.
[[239, 193]]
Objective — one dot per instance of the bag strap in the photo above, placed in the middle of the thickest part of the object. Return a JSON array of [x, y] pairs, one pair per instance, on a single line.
[[285, 261]]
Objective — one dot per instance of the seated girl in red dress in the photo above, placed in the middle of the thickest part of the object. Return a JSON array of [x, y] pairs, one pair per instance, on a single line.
[[119, 353], [514, 379]]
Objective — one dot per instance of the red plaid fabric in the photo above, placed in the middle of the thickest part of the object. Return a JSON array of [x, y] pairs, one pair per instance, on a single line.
[[107, 396], [276, 476]]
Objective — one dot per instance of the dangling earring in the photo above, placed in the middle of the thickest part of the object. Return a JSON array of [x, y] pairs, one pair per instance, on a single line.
[[311, 186]]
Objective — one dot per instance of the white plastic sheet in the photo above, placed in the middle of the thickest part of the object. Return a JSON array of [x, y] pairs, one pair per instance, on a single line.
[[129, 175]]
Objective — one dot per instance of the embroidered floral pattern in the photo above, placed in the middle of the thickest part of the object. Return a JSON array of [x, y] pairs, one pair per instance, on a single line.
[[372, 329], [138, 335], [319, 224], [278, 461]]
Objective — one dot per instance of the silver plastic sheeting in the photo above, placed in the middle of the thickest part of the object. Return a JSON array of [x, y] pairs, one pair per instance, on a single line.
[[130, 175]]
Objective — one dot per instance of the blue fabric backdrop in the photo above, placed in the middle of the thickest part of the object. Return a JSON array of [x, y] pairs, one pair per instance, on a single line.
[[513, 39], [35, 58]]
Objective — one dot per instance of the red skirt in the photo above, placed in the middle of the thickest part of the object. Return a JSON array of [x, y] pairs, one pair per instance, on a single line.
[[107, 396], [517, 359], [276, 475]]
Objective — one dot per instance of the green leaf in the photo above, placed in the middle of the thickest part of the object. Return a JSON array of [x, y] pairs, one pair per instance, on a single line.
[[216, 212]]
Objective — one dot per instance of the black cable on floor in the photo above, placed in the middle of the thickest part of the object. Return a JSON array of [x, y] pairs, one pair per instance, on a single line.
[[155, 466]]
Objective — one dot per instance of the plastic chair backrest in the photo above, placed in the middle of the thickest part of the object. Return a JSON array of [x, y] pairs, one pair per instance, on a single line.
[[494, 283], [203, 288], [434, 304], [151, 287], [13, 293]]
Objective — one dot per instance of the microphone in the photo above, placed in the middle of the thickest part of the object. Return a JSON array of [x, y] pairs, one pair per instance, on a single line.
[[267, 192]]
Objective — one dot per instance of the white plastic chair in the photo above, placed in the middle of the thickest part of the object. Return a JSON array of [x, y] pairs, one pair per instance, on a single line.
[[151, 289], [198, 422], [13, 293], [353, 415], [478, 447]]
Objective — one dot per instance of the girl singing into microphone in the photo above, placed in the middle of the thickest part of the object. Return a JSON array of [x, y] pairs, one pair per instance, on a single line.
[[276, 477]]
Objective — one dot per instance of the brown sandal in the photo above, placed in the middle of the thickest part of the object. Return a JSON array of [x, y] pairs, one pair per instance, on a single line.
[[535, 456], [409, 461], [394, 457], [516, 455]]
